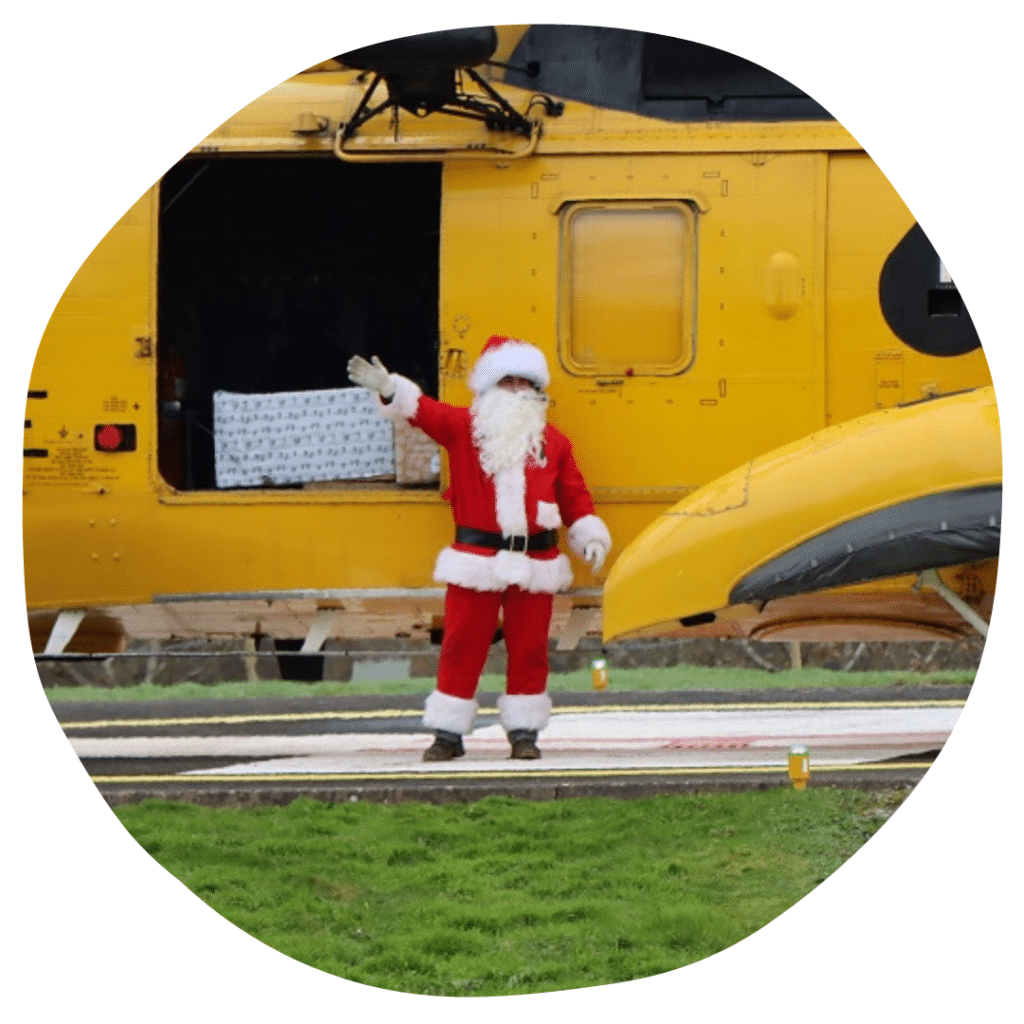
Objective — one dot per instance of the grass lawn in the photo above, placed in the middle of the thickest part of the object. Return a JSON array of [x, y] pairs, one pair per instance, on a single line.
[[507, 896], [678, 677]]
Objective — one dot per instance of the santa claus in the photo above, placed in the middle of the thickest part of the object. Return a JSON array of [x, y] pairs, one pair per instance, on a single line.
[[514, 483]]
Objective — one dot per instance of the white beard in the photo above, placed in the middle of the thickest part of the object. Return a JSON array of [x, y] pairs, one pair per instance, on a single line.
[[508, 428]]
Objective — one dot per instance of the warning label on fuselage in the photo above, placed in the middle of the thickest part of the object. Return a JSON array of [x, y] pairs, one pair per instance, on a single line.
[[66, 465]]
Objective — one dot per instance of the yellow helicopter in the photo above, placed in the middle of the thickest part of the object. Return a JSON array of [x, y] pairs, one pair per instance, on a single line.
[[726, 288]]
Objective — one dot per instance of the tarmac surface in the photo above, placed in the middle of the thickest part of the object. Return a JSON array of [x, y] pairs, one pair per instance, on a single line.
[[246, 752]]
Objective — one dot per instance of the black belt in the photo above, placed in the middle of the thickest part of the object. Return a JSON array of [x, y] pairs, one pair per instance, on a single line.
[[518, 542]]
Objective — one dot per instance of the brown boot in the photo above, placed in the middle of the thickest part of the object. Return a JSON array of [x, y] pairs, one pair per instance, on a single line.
[[446, 747], [524, 745]]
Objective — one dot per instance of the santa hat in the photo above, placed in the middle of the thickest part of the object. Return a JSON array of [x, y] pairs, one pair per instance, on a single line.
[[508, 357]]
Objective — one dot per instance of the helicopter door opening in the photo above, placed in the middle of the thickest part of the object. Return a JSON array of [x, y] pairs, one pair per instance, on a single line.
[[272, 272]]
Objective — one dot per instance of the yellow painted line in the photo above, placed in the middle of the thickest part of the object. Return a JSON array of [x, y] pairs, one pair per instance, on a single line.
[[314, 716], [796, 705], [511, 774], [295, 716]]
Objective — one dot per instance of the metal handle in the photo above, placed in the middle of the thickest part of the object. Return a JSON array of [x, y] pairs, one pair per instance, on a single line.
[[413, 154]]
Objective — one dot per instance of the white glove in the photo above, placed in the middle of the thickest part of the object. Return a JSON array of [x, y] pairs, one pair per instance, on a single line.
[[594, 554], [371, 375]]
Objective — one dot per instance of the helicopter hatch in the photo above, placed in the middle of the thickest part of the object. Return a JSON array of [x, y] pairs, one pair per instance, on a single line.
[[272, 272]]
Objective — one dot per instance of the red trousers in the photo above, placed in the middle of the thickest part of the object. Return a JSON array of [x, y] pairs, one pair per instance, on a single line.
[[470, 619]]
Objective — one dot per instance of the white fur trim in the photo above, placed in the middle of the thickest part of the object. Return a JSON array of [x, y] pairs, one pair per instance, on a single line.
[[406, 399], [513, 568], [548, 515], [586, 529], [502, 570], [551, 576], [452, 714], [510, 500], [513, 359], [524, 711]]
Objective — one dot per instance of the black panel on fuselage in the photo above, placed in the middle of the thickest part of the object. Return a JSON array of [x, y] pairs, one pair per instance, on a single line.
[[923, 309], [654, 75]]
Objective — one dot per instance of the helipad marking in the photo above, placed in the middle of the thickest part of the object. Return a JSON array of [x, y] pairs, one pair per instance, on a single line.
[[292, 716], [553, 774], [315, 716]]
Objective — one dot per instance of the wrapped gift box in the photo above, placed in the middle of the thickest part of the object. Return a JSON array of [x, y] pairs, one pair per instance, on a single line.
[[315, 437], [291, 437]]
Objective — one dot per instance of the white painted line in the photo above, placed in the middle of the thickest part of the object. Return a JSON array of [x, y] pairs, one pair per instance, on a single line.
[[553, 761], [622, 739], [341, 716]]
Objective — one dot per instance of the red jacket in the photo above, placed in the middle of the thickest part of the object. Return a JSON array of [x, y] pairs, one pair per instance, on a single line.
[[541, 495]]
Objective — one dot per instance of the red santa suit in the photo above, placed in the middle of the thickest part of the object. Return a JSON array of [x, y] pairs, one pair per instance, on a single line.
[[520, 507]]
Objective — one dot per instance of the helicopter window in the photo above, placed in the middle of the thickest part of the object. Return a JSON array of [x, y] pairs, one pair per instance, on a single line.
[[627, 297], [272, 272]]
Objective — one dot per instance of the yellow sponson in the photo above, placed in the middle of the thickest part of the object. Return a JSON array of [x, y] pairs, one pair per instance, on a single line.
[[689, 561]]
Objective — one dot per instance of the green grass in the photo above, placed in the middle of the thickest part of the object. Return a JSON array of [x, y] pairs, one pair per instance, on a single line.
[[507, 896], [679, 677]]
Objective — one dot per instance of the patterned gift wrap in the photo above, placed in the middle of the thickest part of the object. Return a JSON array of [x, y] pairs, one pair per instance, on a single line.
[[293, 437]]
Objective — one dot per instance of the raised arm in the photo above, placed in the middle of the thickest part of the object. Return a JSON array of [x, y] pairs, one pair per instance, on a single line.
[[402, 398], [371, 375]]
